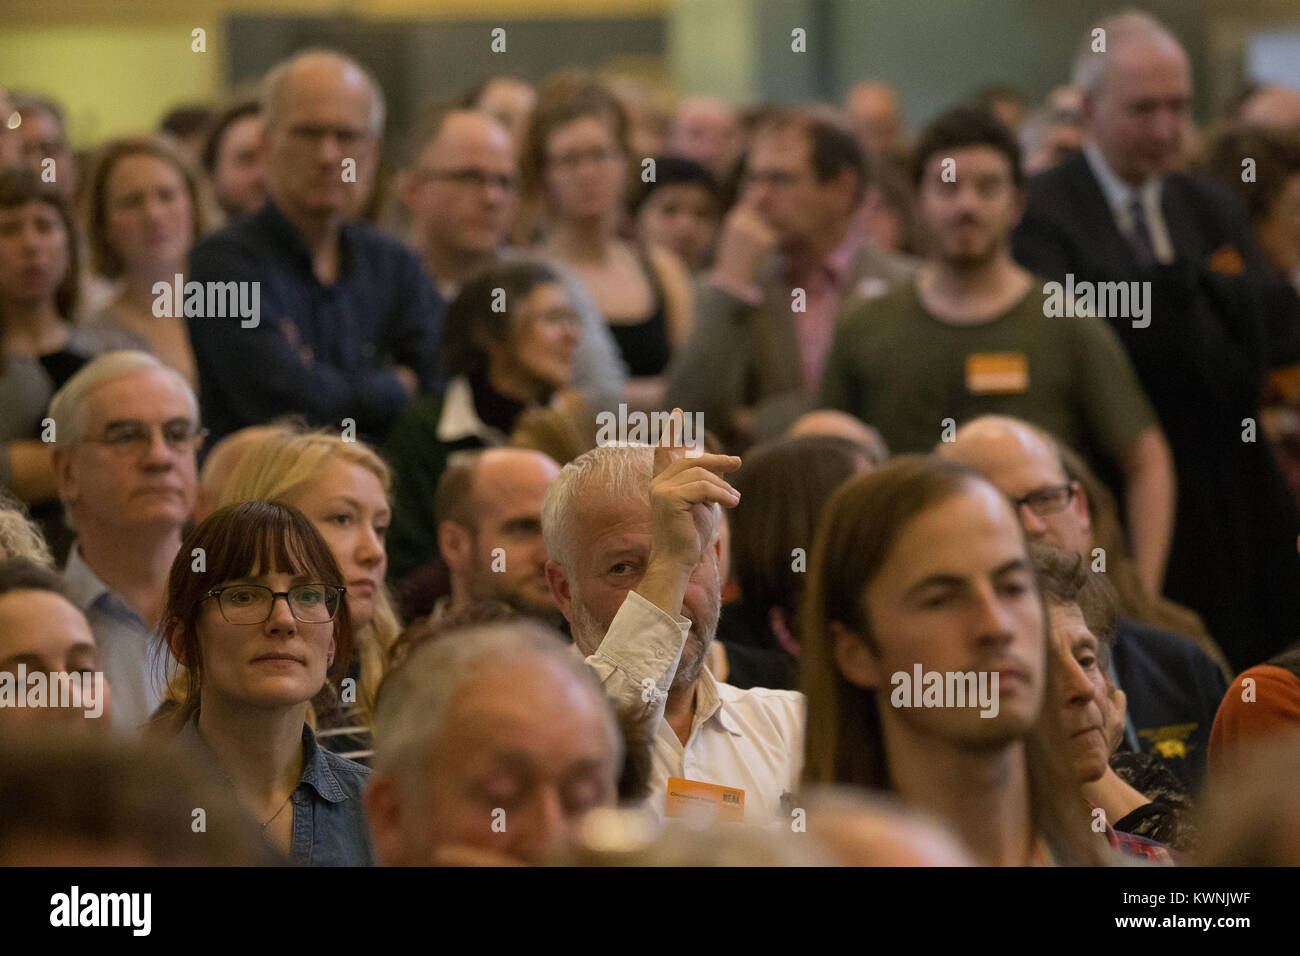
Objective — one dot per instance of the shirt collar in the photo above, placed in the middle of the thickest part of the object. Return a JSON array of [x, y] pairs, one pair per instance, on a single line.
[[1119, 194], [459, 418], [709, 704], [272, 220], [316, 771], [838, 265], [84, 586]]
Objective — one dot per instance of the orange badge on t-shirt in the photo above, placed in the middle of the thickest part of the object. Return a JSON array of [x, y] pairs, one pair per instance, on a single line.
[[997, 373], [704, 802]]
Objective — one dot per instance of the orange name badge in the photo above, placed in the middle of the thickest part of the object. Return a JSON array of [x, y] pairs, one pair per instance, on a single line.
[[704, 801], [997, 373]]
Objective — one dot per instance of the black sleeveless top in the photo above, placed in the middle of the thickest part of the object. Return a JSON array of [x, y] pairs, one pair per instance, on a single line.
[[644, 345]]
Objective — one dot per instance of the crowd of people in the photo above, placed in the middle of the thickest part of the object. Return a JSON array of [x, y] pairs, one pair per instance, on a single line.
[[988, 552]]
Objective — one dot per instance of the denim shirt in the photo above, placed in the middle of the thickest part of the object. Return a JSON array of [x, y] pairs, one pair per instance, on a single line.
[[329, 825]]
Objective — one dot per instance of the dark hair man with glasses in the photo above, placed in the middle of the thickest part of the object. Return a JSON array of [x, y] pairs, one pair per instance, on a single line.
[[348, 325], [462, 193], [972, 335], [1173, 687], [126, 428]]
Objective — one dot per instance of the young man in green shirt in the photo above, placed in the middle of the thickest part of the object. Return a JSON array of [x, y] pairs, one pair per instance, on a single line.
[[972, 335]]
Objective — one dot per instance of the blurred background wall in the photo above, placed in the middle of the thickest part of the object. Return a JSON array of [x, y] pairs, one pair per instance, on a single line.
[[120, 64]]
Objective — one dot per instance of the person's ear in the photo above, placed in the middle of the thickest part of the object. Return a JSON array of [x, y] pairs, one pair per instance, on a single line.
[[560, 589], [383, 806], [65, 477], [855, 659], [456, 546], [1080, 506], [174, 635]]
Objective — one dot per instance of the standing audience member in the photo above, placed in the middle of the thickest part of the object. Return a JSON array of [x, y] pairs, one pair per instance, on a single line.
[[462, 194], [922, 566], [509, 99], [971, 336], [144, 216], [492, 742], [1214, 323], [252, 666], [706, 130], [41, 347], [788, 262], [232, 160], [500, 364], [632, 535], [45, 148], [877, 118], [577, 157], [124, 461], [186, 127], [347, 324], [342, 487], [679, 210]]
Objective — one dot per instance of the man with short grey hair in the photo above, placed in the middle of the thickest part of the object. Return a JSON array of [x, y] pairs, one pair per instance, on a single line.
[[345, 326], [1122, 215], [491, 742], [632, 534], [126, 432]]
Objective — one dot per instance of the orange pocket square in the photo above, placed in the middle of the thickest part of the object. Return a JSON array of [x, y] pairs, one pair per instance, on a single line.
[[1227, 259]]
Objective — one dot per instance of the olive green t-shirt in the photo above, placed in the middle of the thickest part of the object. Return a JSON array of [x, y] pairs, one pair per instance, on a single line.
[[898, 367]]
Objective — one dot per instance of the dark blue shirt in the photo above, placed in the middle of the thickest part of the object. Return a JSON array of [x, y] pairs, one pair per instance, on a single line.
[[329, 825], [382, 311]]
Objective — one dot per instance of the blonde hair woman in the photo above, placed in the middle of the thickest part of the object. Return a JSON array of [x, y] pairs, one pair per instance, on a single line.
[[342, 487]]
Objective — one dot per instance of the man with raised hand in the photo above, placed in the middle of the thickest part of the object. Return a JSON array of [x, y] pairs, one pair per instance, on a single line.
[[632, 535]]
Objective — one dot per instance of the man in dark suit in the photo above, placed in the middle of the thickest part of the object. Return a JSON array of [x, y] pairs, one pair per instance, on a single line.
[[1215, 324]]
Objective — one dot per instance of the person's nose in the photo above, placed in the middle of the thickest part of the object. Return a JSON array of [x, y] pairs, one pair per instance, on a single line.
[[993, 620], [281, 623], [159, 453], [544, 827], [1078, 690], [1035, 526], [370, 547]]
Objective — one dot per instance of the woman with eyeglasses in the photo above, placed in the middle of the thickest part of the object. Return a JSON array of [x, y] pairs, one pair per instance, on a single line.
[[576, 158], [256, 614], [40, 345]]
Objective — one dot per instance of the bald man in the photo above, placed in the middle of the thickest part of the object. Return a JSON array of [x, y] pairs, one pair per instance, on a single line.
[[346, 325], [877, 118], [1215, 322], [1173, 688], [489, 510], [707, 130], [462, 191], [1272, 107]]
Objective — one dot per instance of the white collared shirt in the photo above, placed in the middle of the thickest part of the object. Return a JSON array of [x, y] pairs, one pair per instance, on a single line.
[[748, 739], [1119, 196], [459, 418]]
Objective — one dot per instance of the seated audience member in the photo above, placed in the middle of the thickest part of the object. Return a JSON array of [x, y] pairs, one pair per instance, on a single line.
[[1122, 215], [1261, 705], [500, 364], [1249, 817], [877, 118], [562, 431], [346, 324], [79, 803], [828, 422], [1271, 107], [462, 194], [1172, 687], [576, 157], [632, 536], [19, 536], [252, 666], [788, 262], [232, 160], [921, 566], [41, 347], [488, 508], [705, 130], [507, 98], [1048, 138], [1081, 613], [342, 487], [124, 461], [186, 127], [679, 210], [492, 741], [44, 137], [971, 336], [143, 217], [41, 629], [783, 488], [223, 460]]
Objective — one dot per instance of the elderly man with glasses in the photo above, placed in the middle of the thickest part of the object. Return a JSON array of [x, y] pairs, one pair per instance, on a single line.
[[126, 429], [1173, 687]]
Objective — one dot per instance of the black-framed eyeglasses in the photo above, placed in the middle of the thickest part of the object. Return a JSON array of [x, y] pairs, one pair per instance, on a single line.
[[252, 603], [180, 434], [472, 178], [1047, 501]]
